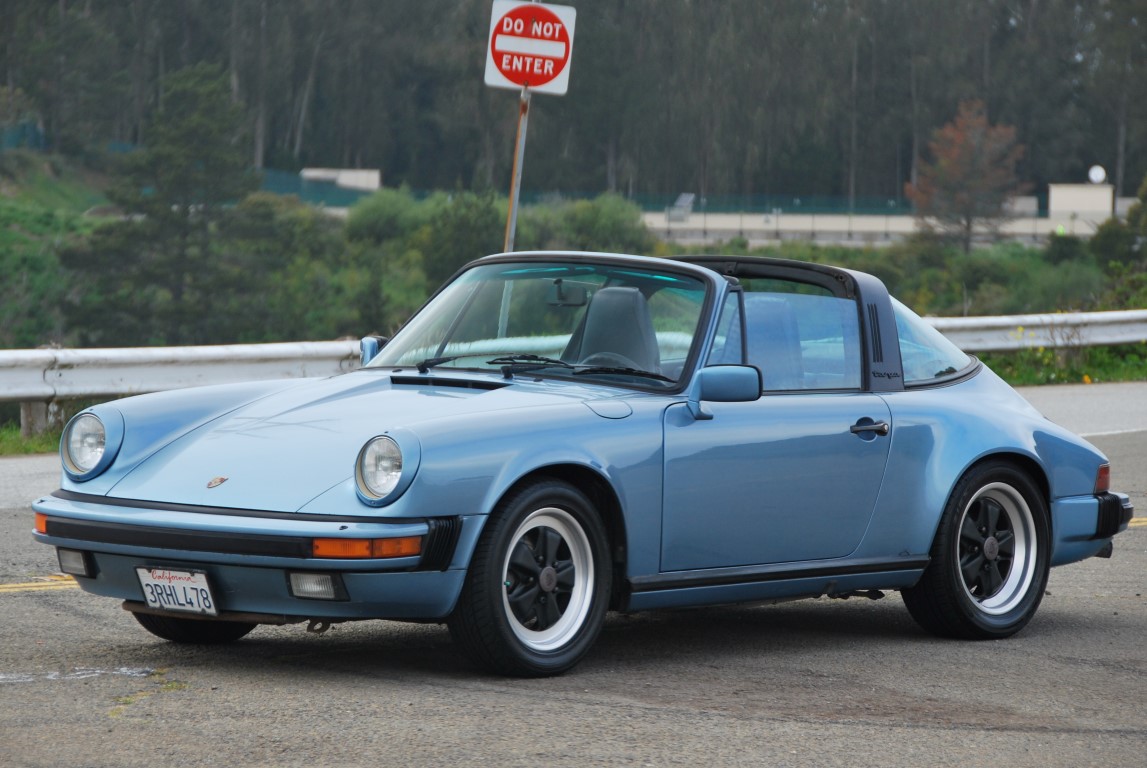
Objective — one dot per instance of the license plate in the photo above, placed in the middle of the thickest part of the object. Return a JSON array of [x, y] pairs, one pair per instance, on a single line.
[[171, 590]]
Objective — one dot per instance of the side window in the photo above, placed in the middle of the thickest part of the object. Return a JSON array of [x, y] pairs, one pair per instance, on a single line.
[[801, 336]]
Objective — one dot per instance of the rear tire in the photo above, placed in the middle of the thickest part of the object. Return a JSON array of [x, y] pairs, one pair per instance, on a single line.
[[193, 631], [990, 558], [538, 586]]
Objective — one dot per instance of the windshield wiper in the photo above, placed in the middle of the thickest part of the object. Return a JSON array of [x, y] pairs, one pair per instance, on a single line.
[[430, 362], [628, 371], [512, 364]]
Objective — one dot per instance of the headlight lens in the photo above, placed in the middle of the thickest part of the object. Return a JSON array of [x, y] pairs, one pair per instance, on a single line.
[[84, 443], [379, 467]]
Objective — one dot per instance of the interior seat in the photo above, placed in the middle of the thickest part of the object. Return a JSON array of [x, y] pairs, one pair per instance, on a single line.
[[618, 324]]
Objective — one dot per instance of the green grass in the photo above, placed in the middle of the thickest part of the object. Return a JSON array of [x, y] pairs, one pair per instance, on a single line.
[[1088, 365], [12, 443], [47, 181]]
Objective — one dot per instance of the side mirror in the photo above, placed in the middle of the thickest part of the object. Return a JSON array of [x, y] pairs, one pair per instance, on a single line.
[[724, 384], [369, 347]]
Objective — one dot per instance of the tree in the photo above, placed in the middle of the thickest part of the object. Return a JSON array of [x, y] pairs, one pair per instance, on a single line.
[[295, 277], [154, 277], [463, 227], [1118, 60], [971, 177], [788, 98]]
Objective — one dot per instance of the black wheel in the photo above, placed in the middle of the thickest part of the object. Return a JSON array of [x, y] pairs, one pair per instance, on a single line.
[[195, 631], [538, 585], [989, 560]]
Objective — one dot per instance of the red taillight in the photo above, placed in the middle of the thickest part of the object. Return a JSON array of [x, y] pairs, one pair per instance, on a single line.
[[1103, 479]]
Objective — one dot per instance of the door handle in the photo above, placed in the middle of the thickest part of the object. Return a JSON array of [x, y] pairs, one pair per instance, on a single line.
[[879, 427]]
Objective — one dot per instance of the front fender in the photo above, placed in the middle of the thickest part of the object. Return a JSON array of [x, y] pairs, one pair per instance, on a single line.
[[469, 464]]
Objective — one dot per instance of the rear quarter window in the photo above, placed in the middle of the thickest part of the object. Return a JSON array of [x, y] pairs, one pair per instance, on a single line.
[[927, 354]]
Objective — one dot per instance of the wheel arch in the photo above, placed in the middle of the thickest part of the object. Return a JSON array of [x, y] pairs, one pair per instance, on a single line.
[[1019, 461], [1022, 462]]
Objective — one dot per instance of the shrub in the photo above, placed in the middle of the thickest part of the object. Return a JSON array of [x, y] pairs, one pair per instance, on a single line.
[[1063, 248], [386, 215], [1113, 241]]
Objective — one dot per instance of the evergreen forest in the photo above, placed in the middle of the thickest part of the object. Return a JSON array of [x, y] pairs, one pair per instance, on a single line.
[[717, 97]]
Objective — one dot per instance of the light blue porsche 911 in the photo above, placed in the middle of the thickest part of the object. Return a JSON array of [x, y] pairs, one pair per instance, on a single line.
[[556, 435]]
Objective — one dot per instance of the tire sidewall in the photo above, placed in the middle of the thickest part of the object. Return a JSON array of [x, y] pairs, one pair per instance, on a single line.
[[489, 584], [996, 624]]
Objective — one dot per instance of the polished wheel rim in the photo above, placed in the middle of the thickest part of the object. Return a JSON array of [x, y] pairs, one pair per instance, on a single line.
[[996, 548], [547, 579]]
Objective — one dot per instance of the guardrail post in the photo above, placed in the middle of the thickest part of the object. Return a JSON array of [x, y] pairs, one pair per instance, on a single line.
[[38, 418]]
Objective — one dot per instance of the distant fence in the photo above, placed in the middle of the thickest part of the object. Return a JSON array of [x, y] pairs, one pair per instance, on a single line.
[[757, 230], [316, 192], [24, 134], [40, 378], [329, 194]]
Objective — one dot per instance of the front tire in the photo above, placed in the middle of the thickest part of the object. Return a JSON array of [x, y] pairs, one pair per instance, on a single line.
[[990, 559], [537, 589], [193, 631]]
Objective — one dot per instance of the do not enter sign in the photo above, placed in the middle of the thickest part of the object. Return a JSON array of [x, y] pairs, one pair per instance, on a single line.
[[530, 46]]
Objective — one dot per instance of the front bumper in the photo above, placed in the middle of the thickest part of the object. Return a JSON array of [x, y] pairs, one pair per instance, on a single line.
[[248, 558]]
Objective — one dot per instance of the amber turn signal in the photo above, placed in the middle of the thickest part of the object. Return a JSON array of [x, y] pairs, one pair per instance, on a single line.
[[41, 523], [406, 546]]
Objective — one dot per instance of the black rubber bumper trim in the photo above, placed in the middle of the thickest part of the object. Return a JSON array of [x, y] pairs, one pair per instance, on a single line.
[[1113, 515], [437, 548], [721, 577], [441, 541], [166, 538]]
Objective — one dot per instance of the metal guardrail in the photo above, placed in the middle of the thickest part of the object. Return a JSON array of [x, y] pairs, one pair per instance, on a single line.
[[1051, 331], [53, 374], [37, 378]]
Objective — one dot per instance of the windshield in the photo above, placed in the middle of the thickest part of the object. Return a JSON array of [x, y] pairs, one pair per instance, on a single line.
[[622, 323]]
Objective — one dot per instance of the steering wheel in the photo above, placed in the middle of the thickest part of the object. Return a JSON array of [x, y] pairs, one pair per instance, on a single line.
[[609, 360]]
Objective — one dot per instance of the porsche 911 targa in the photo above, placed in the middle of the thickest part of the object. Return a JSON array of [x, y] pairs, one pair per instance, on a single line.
[[556, 435]]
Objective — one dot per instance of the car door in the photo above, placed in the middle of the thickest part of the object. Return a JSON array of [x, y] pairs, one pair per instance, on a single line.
[[793, 476]]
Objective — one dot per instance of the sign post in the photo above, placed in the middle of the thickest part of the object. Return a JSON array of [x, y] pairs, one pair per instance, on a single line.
[[530, 48]]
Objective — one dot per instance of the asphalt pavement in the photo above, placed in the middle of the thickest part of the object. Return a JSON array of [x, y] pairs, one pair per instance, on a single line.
[[809, 683]]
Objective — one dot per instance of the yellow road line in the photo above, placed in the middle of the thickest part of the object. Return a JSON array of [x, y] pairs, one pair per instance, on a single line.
[[50, 584], [1138, 522]]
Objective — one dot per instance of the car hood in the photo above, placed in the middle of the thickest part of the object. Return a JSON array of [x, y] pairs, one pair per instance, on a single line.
[[283, 450]]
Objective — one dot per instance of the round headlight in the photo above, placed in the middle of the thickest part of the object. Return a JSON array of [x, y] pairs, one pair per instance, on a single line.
[[379, 467], [84, 443]]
